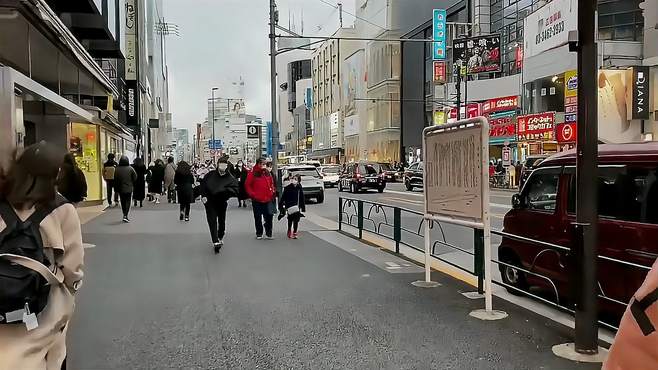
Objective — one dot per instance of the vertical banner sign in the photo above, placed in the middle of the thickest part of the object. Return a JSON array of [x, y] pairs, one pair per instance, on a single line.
[[571, 96], [439, 72], [131, 40], [641, 95], [132, 106], [439, 34]]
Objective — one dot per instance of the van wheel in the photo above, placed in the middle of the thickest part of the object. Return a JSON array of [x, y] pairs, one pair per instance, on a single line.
[[353, 188], [408, 186], [380, 190], [513, 276], [320, 199]]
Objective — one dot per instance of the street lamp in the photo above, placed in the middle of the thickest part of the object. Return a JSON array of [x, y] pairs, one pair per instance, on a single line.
[[214, 153]]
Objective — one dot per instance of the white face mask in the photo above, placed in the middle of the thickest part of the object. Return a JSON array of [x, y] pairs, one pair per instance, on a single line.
[[294, 181], [222, 167]]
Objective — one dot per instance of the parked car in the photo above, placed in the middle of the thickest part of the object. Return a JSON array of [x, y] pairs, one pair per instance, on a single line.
[[627, 228], [312, 182], [330, 175], [413, 176], [315, 164], [528, 165], [362, 176], [390, 174]]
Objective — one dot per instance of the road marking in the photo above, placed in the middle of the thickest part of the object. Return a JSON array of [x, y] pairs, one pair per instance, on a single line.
[[365, 275], [400, 200], [498, 205], [393, 266], [404, 193], [88, 245]]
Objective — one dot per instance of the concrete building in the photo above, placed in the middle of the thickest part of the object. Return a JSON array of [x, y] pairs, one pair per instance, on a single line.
[[60, 67], [536, 79], [182, 150], [327, 114]]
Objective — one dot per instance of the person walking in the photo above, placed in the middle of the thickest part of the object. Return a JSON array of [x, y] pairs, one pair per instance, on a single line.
[[292, 204], [241, 175], [124, 180], [71, 182], [156, 180], [216, 188], [184, 181], [27, 192], [169, 174], [260, 188], [108, 175], [139, 187]]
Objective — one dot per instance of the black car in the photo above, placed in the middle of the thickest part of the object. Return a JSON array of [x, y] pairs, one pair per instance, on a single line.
[[389, 173], [413, 176], [530, 163], [362, 176]]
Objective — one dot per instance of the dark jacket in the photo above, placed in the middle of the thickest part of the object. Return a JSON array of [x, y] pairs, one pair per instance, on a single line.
[[241, 176], [124, 177], [139, 192], [71, 181], [184, 181], [293, 195], [218, 187], [157, 179]]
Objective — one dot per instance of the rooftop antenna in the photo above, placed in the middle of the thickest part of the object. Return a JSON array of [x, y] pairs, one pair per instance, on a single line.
[[302, 21], [340, 14]]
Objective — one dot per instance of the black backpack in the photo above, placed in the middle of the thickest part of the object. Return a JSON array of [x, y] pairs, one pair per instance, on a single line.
[[26, 274]]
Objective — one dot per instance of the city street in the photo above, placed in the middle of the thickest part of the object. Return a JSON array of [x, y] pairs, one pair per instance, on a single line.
[[155, 296]]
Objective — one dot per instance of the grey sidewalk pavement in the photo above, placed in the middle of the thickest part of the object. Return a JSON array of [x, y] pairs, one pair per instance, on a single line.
[[156, 297]]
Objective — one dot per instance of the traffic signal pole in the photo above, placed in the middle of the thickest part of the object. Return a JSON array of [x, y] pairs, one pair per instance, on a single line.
[[586, 338], [275, 123]]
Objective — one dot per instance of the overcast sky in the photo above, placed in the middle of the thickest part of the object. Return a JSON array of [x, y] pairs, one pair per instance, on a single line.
[[222, 40]]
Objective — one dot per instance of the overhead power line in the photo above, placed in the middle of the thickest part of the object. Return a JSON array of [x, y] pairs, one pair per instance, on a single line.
[[335, 6]]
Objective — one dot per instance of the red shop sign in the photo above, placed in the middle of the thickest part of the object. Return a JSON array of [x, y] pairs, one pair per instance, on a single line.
[[439, 72], [502, 127], [536, 127], [567, 133], [500, 104], [472, 111]]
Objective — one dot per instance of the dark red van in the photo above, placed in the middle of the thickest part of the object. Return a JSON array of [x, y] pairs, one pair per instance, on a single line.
[[628, 223]]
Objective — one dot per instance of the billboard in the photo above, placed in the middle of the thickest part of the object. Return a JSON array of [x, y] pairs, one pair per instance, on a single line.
[[549, 26], [351, 125], [454, 173], [540, 127], [639, 93], [353, 80], [479, 54], [508, 103]]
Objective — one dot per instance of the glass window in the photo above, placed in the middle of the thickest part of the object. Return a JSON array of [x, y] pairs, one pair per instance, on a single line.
[[369, 169], [625, 193], [540, 193]]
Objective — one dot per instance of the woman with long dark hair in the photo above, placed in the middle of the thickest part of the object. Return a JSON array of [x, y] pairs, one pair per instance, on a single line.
[[28, 193], [71, 182], [184, 181], [156, 180], [241, 173]]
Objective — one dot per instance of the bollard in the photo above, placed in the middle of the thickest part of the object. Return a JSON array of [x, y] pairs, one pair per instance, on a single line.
[[397, 228], [478, 255], [359, 217], [340, 214]]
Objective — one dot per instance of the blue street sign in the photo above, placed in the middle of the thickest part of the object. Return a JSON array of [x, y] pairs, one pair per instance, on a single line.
[[439, 28], [217, 144]]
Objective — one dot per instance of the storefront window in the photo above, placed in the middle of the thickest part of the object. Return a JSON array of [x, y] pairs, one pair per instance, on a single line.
[[83, 145]]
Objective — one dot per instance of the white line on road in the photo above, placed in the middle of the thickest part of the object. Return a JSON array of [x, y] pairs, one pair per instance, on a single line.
[[420, 195]]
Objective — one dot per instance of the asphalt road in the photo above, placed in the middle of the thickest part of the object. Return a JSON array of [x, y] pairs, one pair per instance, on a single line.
[[156, 297]]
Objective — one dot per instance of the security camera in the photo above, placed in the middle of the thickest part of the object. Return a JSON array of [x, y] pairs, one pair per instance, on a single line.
[[573, 41]]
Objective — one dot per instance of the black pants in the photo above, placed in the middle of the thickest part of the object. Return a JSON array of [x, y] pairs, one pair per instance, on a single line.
[[216, 215], [293, 222], [110, 189], [171, 194], [262, 212], [185, 209], [126, 198]]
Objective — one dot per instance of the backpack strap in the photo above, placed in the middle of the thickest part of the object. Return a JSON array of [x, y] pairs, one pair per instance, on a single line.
[[8, 214], [53, 278]]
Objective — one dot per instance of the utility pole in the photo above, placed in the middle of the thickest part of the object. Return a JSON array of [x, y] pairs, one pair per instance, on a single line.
[[212, 147], [340, 14], [274, 20], [586, 227]]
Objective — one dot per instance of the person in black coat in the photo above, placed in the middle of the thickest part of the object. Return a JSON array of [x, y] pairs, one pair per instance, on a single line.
[[292, 203], [157, 172], [139, 190], [184, 181], [124, 180], [216, 188], [71, 182], [241, 175]]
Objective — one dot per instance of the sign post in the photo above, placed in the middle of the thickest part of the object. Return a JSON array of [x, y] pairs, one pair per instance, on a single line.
[[456, 159]]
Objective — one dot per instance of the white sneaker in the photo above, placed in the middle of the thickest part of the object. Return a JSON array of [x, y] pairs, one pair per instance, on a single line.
[[126, 220], [259, 237], [269, 237], [220, 242]]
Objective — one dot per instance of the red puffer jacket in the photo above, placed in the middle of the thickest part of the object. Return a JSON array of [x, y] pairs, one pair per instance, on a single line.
[[260, 186]]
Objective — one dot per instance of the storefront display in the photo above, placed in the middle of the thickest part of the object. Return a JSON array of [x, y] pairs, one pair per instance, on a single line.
[[501, 113], [84, 146]]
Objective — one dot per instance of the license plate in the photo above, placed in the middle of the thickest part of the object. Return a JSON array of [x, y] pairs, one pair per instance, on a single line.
[[372, 180]]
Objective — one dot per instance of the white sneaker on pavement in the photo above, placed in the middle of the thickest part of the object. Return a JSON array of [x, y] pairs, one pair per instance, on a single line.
[[259, 237]]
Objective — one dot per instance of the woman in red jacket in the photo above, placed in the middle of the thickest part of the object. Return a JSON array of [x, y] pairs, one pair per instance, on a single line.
[[260, 188]]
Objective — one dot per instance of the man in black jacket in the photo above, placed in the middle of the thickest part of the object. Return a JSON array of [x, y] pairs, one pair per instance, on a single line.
[[216, 188]]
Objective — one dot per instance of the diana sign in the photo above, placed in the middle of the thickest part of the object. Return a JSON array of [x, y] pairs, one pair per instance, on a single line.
[[640, 93]]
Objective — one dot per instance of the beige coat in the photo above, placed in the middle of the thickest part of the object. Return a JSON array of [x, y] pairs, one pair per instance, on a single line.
[[45, 346]]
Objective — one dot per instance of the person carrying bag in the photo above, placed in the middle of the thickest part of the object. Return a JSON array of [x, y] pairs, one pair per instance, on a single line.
[[292, 204]]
